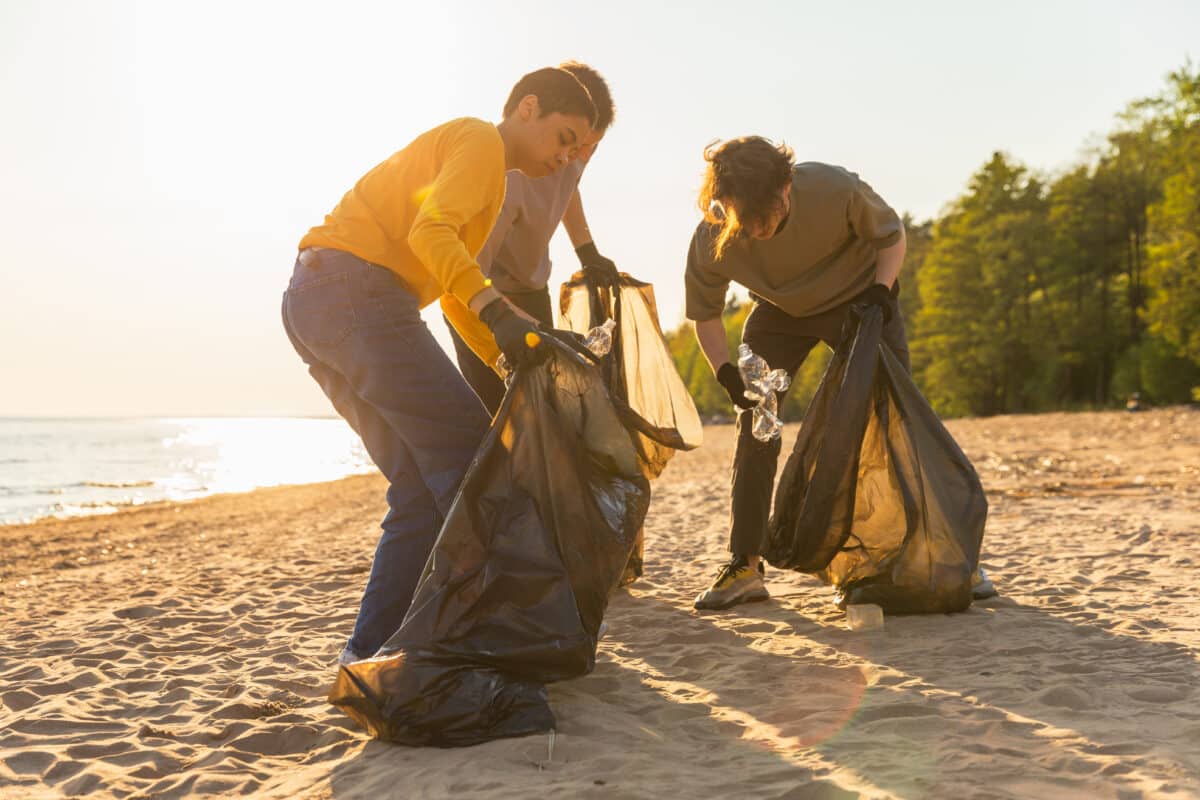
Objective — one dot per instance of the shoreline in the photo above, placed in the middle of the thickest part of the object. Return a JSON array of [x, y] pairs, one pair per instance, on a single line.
[[105, 509], [194, 656], [148, 522]]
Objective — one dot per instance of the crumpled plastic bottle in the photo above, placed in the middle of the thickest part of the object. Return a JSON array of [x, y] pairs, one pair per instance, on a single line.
[[762, 383], [599, 338], [503, 366]]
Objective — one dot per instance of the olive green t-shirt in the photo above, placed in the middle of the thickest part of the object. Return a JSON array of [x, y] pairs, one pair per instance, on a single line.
[[824, 255]]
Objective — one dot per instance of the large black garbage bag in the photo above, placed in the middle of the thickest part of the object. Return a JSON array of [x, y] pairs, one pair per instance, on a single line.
[[639, 369], [654, 404], [876, 497], [519, 579]]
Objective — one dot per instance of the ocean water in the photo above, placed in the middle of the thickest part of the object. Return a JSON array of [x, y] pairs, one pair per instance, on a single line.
[[73, 467]]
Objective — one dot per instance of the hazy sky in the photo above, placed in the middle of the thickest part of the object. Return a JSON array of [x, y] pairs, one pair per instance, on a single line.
[[160, 160]]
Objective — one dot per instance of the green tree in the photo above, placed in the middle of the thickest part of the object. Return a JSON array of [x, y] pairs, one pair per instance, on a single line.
[[1173, 257], [983, 316]]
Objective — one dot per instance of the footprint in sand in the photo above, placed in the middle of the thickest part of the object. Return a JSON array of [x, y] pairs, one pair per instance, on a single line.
[[31, 762], [1066, 697], [138, 612], [896, 711], [1160, 694]]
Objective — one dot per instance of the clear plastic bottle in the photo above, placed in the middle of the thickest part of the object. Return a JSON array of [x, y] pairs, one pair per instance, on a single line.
[[599, 338], [762, 383], [864, 617]]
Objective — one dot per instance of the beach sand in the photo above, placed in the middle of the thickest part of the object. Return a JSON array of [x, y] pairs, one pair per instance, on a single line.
[[186, 649]]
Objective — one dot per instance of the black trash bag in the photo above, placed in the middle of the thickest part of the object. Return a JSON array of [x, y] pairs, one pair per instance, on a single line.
[[876, 498], [640, 373], [517, 584]]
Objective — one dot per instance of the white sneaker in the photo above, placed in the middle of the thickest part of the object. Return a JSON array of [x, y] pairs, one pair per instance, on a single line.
[[348, 657], [602, 630]]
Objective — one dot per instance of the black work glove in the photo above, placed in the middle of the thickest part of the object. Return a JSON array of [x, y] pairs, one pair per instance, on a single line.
[[878, 295], [731, 380], [511, 331], [599, 270]]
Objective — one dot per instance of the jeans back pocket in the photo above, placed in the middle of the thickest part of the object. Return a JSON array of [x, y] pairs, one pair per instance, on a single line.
[[321, 312]]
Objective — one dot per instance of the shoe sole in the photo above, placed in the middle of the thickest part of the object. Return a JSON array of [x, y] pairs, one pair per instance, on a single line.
[[751, 598]]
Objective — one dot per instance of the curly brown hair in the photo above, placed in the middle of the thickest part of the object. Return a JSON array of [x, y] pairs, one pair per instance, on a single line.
[[741, 184]]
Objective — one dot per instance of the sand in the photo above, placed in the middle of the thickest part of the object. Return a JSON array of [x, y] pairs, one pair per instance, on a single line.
[[186, 649]]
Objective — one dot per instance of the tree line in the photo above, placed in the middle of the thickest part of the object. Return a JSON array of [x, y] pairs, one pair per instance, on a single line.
[[1037, 293]]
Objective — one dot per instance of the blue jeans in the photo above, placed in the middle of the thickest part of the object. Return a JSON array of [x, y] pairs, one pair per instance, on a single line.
[[360, 332]]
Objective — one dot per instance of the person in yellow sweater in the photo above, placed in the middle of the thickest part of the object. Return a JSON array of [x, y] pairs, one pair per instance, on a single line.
[[407, 234]]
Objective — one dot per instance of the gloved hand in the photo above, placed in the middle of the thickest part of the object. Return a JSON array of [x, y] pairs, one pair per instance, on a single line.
[[512, 332], [878, 295], [731, 380], [599, 270]]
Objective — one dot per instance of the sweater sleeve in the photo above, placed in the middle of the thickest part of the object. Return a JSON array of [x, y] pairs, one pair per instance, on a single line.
[[473, 332], [471, 180]]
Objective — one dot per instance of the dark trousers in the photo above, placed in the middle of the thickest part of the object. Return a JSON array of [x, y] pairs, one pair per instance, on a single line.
[[784, 342], [483, 379], [360, 332]]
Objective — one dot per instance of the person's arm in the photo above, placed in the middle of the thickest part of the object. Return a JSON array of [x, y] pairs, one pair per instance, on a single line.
[[602, 271], [890, 260], [471, 178], [710, 333], [575, 222], [704, 294], [704, 297], [874, 221]]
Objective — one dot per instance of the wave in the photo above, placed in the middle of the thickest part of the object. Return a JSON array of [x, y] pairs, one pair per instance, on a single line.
[[118, 484], [93, 504]]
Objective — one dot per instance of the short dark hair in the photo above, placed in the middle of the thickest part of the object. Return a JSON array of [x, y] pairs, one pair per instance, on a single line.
[[598, 88], [557, 91], [745, 176]]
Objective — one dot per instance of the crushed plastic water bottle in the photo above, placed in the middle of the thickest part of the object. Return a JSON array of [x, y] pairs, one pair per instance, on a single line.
[[864, 617], [599, 338], [762, 383]]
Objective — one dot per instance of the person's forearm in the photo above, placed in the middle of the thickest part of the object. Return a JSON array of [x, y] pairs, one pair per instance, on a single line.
[[575, 222], [713, 343], [889, 260]]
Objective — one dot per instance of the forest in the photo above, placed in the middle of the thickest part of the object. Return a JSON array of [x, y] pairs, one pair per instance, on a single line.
[[1037, 292]]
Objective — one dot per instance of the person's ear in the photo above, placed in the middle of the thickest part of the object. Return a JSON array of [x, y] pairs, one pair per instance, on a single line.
[[528, 108]]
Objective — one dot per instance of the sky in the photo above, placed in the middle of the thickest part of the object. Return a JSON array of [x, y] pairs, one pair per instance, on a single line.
[[160, 160]]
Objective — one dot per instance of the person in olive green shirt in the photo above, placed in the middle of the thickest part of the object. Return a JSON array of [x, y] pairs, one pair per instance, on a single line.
[[806, 240], [406, 234]]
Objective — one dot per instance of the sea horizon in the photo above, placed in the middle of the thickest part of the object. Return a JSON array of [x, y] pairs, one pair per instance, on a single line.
[[59, 467]]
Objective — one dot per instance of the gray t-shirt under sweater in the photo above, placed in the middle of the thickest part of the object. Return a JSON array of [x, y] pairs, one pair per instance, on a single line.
[[516, 255]]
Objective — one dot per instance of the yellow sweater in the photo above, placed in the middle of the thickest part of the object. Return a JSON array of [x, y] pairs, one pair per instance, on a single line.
[[425, 213]]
